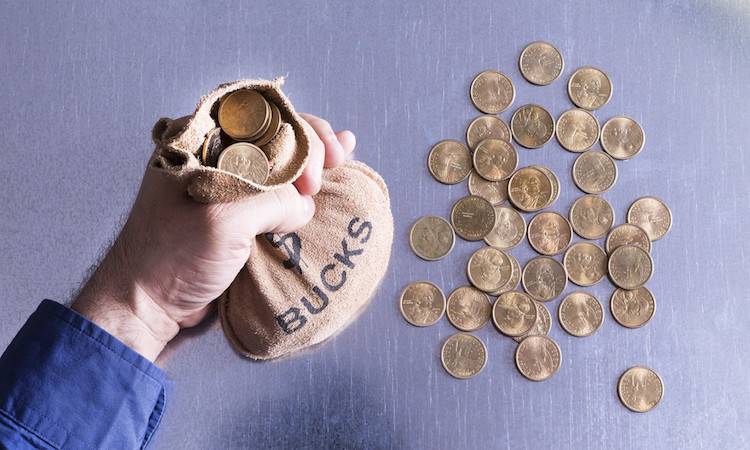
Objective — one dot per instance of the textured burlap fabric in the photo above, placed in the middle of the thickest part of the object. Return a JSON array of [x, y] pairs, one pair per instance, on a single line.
[[300, 288]]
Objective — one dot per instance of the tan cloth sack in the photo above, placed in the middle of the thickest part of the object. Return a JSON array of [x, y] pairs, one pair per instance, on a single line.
[[297, 289]]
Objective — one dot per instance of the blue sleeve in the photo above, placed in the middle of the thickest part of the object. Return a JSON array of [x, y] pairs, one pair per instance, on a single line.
[[65, 383]]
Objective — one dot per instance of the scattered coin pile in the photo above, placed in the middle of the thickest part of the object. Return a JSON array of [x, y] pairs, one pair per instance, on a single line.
[[247, 121], [500, 191]]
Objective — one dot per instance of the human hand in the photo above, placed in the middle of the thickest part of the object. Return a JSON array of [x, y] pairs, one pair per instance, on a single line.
[[174, 256]]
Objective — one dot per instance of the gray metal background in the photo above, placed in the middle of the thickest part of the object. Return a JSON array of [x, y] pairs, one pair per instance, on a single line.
[[82, 83]]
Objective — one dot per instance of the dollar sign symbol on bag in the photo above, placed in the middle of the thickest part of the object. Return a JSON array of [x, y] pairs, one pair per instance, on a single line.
[[292, 245]]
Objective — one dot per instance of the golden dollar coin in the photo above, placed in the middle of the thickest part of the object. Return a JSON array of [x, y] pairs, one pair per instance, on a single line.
[[495, 159], [422, 303], [431, 238], [651, 214], [589, 88], [529, 189], [492, 92], [544, 278], [632, 309], [215, 143], [622, 137], [640, 389], [489, 269], [554, 182], [468, 308], [273, 128], [540, 63], [245, 160], [577, 130], [473, 217], [549, 233], [515, 277], [486, 127], [244, 114], [594, 172], [580, 314], [509, 228], [495, 192], [630, 267], [541, 326], [532, 126], [449, 162], [591, 216], [585, 263], [538, 357], [627, 234], [463, 355], [514, 313]]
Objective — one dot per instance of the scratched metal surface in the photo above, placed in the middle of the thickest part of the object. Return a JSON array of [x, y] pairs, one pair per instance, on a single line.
[[82, 83]]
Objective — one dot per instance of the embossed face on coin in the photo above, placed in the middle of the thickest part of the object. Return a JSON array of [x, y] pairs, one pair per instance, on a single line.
[[586, 263], [514, 313], [640, 389], [541, 326], [549, 233], [630, 267], [544, 278], [633, 309], [431, 238], [594, 172], [622, 137], [495, 192], [577, 130], [422, 303], [580, 314], [492, 92], [449, 162], [591, 216], [489, 269], [495, 159], [486, 127], [532, 126], [589, 88], [244, 114], [540, 63], [463, 355], [628, 234], [468, 308], [529, 189], [473, 217], [245, 160], [651, 214], [538, 358], [509, 229]]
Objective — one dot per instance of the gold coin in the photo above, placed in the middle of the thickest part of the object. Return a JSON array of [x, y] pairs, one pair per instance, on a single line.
[[591, 216], [215, 143], [495, 159], [473, 217], [651, 214], [541, 326], [544, 278], [489, 269], [580, 314], [514, 313], [495, 192], [589, 88], [468, 308], [532, 126], [422, 303], [540, 63], [554, 182], [273, 127], [586, 263], [538, 357], [529, 189], [509, 228], [449, 161], [463, 355], [492, 92], [245, 160], [640, 389], [627, 234], [486, 127], [243, 114], [431, 238], [632, 309], [594, 172], [630, 267], [549, 233], [577, 130], [515, 277], [622, 137]]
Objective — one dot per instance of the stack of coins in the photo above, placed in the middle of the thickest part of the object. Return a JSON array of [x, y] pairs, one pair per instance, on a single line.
[[247, 122], [499, 289]]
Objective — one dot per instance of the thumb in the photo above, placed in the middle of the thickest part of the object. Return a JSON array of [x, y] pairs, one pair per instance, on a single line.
[[278, 211]]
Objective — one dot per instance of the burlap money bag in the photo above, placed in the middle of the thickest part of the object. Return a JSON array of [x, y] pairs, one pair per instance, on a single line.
[[300, 288]]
